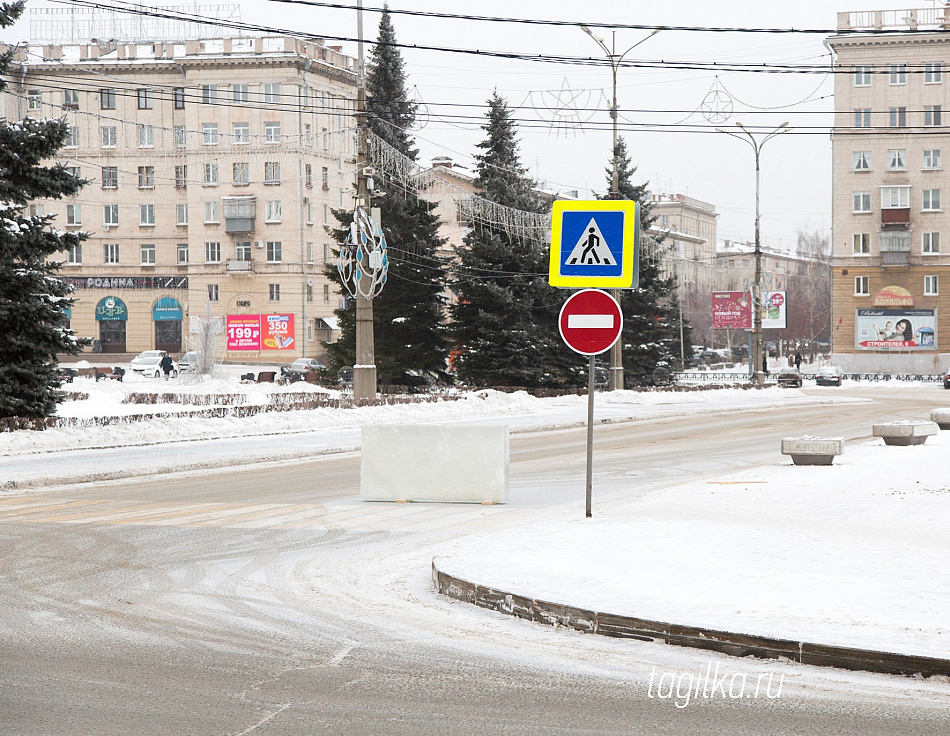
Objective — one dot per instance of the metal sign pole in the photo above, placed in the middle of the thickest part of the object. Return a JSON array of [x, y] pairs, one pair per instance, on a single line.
[[590, 434]]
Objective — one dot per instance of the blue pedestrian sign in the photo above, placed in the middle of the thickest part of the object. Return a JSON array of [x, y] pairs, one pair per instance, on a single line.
[[595, 244]]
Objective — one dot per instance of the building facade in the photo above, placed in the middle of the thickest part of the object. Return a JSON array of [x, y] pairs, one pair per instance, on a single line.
[[891, 232], [212, 168]]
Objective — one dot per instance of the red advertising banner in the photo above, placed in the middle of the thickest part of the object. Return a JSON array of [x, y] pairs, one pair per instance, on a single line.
[[277, 331], [731, 309], [244, 331]]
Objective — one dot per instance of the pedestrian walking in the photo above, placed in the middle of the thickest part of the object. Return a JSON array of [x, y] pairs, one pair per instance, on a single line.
[[798, 360], [167, 364]]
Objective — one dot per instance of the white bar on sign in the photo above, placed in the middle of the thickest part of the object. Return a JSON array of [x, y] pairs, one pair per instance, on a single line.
[[590, 321]]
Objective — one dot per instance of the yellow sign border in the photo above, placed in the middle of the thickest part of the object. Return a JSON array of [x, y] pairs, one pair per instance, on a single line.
[[631, 235]]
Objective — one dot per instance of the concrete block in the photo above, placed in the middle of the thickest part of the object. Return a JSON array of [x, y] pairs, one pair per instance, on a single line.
[[812, 450], [941, 417], [434, 462], [908, 432]]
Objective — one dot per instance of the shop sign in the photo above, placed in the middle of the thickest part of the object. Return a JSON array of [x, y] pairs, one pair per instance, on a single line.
[[111, 308], [893, 296], [127, 282], [260, 331], [167, 309]]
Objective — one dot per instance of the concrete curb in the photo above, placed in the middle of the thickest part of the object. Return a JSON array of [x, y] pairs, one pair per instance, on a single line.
[[737, 645]]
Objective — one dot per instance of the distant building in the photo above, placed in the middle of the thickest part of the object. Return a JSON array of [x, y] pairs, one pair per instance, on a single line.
[[213, 167]]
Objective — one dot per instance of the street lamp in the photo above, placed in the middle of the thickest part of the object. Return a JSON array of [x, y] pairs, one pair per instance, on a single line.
[[746, 136], [615, 376]]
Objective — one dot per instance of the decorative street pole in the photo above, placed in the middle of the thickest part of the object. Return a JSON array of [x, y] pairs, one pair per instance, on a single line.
[[746, 136], [615, 357]]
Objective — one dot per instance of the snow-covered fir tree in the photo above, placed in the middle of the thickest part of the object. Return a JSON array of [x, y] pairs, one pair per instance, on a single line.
[[408, 315], [651, 324], [505, 319], [33, 300]]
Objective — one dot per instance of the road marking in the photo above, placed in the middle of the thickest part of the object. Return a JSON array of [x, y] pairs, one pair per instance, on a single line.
[[339, 656]]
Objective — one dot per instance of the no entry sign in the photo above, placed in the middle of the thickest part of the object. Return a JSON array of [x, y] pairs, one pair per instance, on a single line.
[[590, 322]]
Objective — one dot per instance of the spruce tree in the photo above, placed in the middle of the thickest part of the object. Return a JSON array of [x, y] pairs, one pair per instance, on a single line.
[[651, 311], [408, 315], [33, 300], [505, 320]]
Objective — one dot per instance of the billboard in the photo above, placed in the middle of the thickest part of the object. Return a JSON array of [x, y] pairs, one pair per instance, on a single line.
[[895, 329], [733, 309], [260, 331]]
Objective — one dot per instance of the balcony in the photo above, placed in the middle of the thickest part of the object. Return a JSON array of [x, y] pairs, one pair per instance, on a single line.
[[234, 265], [896, 216], [239, 214], [895, 249]]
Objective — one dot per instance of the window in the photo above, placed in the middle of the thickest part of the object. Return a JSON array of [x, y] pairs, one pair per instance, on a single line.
[[933, 73], [310, 299], [146, 136], [273, 251], [209, 94], [894, 198], [110, 253], [862, 160], [72, 137], [183, 253], [325, 177], [932, 158], [210, 175], [71, 99], [862, 244], [326, 292], [326, 252], [305, 95], [932, 114], [862, 76], [181, 137], [213, 252], [896, 159], [931, 286], [308, 175], [179, 97], [212, 292], [145, 99], [861, 202], [272, 172], [108, 136], [238, 93], [146, 177], [274, 292], [307, 133], [898, 117], [898, 74], [181, 210], [930, 244], [309, 251], [107, 99], [211, 212], [110, 177], [272, 132], [271, 93], [110, 215], [146, 215], [931, 200], [242, 133], [325, 137], [74, 254], [147, 252], [326, 214], [210, 131], [74, 171], [34, 99], [242, 172], [273, 212], [862, 117], [74, 214], [861, 286], [308, 210], [242, 251], [181, 176]]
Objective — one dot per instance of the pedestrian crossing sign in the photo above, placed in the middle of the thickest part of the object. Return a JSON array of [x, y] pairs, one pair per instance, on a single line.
[[595, 244]]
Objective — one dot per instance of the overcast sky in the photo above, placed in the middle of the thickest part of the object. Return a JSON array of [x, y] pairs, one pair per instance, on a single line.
[[453, 87]]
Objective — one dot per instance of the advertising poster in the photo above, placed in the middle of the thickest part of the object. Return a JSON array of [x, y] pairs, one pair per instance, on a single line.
[[277, 331], [244, 331], [895, 329], [733, 309]]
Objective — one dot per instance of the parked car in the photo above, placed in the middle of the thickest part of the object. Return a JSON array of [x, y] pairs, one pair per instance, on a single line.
[[305, 365], [145, 355], [946, 379], [828, 376], [151, 367], [188, 362], [790, 377]]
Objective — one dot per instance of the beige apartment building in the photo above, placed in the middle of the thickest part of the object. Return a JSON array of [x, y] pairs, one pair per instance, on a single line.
[[891, 194], [213, 166]]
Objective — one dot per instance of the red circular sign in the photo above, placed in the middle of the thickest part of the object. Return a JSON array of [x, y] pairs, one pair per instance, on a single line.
[[590, 322]]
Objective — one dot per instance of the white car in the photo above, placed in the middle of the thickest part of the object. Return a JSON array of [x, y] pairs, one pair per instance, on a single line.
[[188, 362], [145, 355], [305, 365], [151, 367]]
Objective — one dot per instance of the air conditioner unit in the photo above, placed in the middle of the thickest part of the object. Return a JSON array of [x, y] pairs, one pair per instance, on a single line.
[[259, 243], [107, 226]]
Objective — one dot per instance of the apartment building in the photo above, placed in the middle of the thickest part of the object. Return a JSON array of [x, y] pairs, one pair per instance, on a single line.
[[212, 166], [891, 230]]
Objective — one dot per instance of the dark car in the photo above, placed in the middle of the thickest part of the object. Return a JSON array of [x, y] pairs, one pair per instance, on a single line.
[[946, 379], [828, 376], [789, 377]]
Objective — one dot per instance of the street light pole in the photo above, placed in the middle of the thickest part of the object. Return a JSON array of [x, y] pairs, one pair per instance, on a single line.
[[615, 374], [746, 136]]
